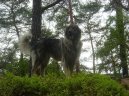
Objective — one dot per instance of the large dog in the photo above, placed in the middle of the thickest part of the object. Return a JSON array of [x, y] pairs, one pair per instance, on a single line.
[[67, 50]]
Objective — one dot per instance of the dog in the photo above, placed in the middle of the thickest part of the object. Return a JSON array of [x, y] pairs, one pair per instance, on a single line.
[[67, 50]]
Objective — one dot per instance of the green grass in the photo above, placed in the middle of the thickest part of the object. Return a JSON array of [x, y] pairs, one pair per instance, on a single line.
[[53, 85]]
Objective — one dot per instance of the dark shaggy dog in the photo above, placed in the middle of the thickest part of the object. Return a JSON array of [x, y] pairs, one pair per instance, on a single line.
[[66, 50]]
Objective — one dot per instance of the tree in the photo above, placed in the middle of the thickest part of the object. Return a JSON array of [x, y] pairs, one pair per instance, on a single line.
[[36, 19], [122, 39], [37, 12], [11, 14], [86, 13], [109, 50], [15, 18], [114, 46]]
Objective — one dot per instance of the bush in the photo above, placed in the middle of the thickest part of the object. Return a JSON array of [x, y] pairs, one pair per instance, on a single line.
[[52, 85], [19, 68]]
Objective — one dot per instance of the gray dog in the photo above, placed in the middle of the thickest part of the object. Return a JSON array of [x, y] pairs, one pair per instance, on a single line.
[[67, 50]]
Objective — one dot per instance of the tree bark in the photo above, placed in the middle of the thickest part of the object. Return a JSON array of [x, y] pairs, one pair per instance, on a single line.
[[50, 5], [36, 19], [70, 12], [113, 65], [92, 46], [36, 26]]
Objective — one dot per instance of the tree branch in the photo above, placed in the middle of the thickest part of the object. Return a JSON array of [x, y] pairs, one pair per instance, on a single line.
[[70, 11], [50, 5], [119, 3]]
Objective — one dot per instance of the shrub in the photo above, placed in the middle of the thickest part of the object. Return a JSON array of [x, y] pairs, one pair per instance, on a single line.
[[52, 85], [19, 68]]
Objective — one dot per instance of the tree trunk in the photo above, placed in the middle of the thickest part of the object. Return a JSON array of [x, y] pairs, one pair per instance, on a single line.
[[36, 19], [113, 65], [121, 38], [36, 26], [92, 46], [70, 12]]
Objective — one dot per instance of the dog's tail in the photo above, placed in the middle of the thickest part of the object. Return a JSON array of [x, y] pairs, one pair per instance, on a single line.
[[24, 43]]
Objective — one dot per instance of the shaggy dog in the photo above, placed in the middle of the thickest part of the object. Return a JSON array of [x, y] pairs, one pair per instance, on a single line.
[[67, 50]]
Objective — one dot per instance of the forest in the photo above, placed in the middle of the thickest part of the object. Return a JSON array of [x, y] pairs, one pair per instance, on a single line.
[[104, 60]]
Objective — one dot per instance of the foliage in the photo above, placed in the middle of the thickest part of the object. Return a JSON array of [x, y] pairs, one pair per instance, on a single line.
[[113, 51], [53, 85], [19, 68], [109, 53], [54, 68], [8, 55], [110, 43], [13, 9]]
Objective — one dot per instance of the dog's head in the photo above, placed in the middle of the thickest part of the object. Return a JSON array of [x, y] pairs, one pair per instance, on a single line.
[[73, 33]]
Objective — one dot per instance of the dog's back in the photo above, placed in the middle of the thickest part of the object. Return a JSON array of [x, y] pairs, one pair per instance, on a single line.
[[50, 46]]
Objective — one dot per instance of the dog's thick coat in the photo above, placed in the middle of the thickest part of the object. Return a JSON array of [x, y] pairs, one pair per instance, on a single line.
[[66, 50]]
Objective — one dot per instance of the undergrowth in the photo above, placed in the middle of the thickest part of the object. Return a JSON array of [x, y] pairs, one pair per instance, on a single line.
[[53, 85]]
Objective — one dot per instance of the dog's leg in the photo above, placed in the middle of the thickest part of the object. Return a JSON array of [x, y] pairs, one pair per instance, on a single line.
[[67, 69], [33, 62], [33, 58], [44, 62], [79, 47], [36, 67], [30, 67], [77, 66]]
